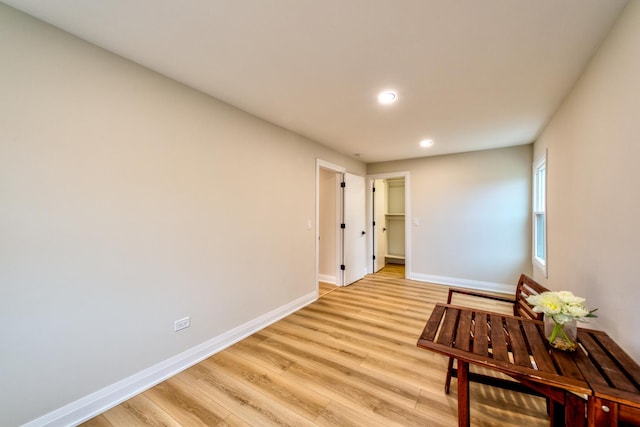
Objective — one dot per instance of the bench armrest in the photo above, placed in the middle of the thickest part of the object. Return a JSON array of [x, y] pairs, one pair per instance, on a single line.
[[470, 292]]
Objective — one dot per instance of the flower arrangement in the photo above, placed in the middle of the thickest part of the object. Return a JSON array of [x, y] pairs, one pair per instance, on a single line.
[[563, 308]]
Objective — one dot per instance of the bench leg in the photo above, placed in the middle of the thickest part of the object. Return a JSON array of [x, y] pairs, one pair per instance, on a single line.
[[556, 413], [574, 408], [447, 381], [602, 412], [464, 419]]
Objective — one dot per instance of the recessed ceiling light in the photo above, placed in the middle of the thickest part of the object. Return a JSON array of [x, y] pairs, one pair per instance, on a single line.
[[387, 97], [426, 143]]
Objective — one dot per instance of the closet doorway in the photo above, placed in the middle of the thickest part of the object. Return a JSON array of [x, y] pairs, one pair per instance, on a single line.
[[390, 227]]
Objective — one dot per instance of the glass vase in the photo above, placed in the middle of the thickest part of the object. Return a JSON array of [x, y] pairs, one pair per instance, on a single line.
[[562, 336]]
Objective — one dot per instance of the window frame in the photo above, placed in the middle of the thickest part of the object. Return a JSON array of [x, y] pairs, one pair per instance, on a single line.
[[539, 209]]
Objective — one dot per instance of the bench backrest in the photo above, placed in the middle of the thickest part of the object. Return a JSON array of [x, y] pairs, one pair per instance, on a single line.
[[527, 287]]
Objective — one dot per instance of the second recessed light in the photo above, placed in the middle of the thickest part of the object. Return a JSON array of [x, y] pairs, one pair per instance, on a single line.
[[387, 97], [426, 143]]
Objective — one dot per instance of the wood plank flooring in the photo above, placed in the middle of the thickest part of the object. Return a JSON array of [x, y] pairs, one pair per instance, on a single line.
[[324, 288], [349, 359]]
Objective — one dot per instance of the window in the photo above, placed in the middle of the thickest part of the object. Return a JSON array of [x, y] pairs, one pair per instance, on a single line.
[[539, 214]]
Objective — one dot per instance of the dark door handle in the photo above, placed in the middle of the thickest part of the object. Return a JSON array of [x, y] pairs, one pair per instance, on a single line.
[[384, 229], [363, 233]]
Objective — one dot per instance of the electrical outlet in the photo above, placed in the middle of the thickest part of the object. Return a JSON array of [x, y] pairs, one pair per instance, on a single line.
[[182, 323]]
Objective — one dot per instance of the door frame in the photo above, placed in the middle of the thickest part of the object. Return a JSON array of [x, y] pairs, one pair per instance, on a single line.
[[407, 218], [323, 164]]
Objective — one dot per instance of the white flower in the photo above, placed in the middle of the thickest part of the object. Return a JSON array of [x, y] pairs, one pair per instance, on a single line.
[[569, 298], [562, 306], [575, 311], [546, 302]]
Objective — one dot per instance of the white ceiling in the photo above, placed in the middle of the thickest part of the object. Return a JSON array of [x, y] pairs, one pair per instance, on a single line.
[[470, 74]]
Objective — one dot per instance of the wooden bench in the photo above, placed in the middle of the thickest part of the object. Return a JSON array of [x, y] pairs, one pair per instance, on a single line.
[[598, 384], [525, 288]]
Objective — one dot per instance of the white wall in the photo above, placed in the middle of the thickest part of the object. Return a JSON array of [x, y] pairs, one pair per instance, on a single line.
[[593, 176], [474, 215], [128, 201]]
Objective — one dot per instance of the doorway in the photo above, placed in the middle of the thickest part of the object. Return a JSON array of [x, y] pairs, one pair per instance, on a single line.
[[389, 244], [329, 249], [341, 243]]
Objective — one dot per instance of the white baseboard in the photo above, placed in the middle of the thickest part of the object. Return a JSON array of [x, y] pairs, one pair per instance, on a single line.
[[464, 283], [327, 279], [95, 403]]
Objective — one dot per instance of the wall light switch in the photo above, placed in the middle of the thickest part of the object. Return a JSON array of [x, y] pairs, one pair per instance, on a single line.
[[309, 225]]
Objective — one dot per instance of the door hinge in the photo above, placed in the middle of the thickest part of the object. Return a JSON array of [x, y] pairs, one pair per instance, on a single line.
[[374, 223], [343, 226], [342, 267], [374, 257], [374, 189], [343, 184]]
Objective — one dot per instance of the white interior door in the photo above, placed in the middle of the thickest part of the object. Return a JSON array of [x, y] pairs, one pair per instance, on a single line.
[[354, 238]]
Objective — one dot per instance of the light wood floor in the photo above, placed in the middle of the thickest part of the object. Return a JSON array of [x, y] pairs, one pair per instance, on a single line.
[[349, 359], [325, 288]]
